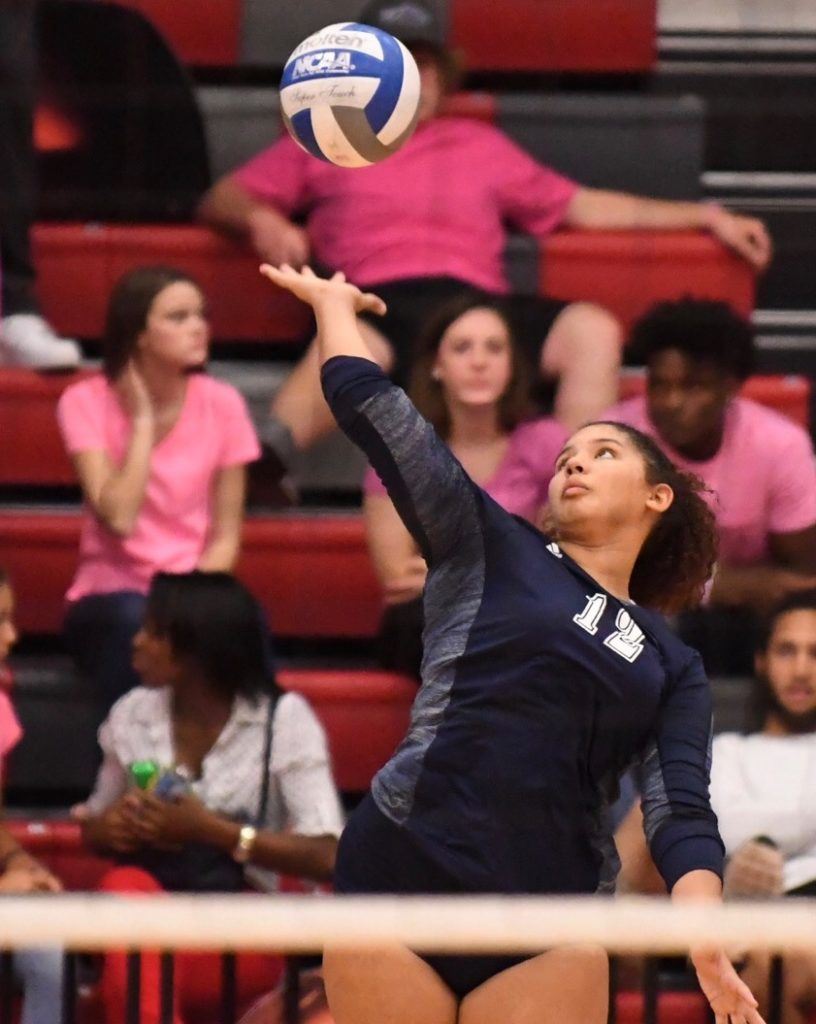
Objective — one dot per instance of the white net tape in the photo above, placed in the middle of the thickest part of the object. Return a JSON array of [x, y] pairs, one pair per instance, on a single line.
[[433, 925]]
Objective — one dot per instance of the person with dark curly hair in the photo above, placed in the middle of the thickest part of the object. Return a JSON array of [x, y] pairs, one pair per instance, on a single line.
[[542, 680], [758, 464]]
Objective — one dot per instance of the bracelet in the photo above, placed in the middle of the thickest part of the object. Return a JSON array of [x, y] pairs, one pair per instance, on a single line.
[[245, 845]]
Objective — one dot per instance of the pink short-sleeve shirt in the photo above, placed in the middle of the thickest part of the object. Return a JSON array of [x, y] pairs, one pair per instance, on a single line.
[[437, 208], [213, 431], [521, 480], [10, 730], [763, 477]]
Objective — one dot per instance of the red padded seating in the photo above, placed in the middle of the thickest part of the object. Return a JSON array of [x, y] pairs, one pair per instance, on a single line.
[[789, 396], [365, 715], [556, 35], [629, 271], [78, 265], [58, 844], [202, 32], [311, 573], [672, 1008], [33, 452], [625, 271]]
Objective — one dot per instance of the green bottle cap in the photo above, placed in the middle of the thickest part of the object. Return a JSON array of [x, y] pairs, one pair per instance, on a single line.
[[145, 773]]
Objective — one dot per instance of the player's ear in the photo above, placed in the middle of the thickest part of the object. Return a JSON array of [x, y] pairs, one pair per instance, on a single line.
[[659, 498]]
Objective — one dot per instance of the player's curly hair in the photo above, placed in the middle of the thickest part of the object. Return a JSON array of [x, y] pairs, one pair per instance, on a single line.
[[679, 555]]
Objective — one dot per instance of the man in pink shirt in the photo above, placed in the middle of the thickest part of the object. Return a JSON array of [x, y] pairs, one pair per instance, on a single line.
[[758, 464], [431, 221]]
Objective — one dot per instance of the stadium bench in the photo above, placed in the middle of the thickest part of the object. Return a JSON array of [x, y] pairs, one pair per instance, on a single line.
[[570, 35], [311, 573], [625, 271], [200, 32], [33, 454], [629, 271], [78, 265]]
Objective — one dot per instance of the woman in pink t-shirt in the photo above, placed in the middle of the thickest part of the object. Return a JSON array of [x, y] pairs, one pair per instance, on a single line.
[[160, 449], [469, 380]]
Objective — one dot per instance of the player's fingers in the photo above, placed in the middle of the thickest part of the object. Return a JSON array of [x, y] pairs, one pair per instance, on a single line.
[[374, 304], [307, 271], [744, 994], [338, 275]]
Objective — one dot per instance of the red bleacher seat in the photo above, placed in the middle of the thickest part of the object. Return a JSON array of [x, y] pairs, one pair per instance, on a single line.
[[628, 271], [567, 35], [672, 1008], [625, 271], [364, 713], [58, 844], [33, 452], [201, 32], [291, 563], [789, 396], [78, 265]]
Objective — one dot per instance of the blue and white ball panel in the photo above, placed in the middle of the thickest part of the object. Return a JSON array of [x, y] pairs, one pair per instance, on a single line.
[[350, 94]]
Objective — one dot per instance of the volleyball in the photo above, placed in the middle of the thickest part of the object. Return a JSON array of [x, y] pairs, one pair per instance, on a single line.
[[350, 94]]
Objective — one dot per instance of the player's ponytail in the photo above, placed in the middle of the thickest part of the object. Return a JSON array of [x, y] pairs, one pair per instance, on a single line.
[[678, 557]]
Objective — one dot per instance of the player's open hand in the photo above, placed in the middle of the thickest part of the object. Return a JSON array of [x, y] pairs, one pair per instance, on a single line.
[[730, 998], [314, 290]]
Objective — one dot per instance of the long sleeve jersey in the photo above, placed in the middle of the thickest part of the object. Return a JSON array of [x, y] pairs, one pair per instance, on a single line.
[[539, 687]]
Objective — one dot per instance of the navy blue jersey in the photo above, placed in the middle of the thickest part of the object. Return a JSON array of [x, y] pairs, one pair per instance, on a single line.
[[539, 687]]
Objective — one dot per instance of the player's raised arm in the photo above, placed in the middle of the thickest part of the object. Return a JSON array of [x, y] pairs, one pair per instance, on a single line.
[[435, 498]]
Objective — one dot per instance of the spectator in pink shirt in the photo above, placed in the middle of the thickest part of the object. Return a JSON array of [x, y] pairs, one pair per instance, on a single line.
[[758, 464], [432, 219], [470, 381], [160, 449]]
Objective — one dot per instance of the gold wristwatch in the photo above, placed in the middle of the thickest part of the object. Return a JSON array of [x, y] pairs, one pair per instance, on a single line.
[[246, 842]]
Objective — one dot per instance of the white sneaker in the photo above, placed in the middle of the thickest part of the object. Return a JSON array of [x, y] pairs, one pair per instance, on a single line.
[[28, 340]]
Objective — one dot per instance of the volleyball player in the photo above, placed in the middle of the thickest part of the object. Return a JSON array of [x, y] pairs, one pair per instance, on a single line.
[[541, 681]]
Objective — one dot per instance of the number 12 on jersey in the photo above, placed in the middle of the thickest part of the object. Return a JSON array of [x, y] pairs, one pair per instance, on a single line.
[[626, 640]]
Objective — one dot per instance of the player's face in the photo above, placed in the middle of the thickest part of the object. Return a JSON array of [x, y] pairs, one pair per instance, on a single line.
[[687, 398], [431, 85], [474, 363], [600, 484], [8, 631], [789, 663], [177, 332], [153, 658]]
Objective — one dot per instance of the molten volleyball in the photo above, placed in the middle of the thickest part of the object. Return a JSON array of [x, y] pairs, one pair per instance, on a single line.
[[350, 94]]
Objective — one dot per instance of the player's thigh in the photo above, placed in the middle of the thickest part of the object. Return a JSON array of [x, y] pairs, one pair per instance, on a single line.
[[569, 985], [390, 986]]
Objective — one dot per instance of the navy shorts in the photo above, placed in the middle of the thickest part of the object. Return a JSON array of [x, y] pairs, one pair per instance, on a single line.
[[376, 856]]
